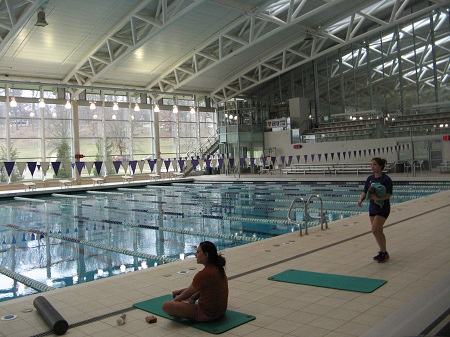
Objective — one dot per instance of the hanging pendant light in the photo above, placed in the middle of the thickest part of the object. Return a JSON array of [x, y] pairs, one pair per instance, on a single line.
[[116, 106], [41, 103], [114, 117], [192, 110], [92, 105], [156, 108], [12, 102], [175, 109], [137, 108], [68, 105]]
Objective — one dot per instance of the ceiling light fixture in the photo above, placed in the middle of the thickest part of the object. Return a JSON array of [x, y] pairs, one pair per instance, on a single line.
[[41, 19], [116, 106], [41, 103], [68, 105], [12, 102], [136, 107], [92, 105], [192, 110], [175, 107], [156, 108]]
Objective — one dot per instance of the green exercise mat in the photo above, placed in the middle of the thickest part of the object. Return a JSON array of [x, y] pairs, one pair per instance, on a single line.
[[334, 281], [231, 319]]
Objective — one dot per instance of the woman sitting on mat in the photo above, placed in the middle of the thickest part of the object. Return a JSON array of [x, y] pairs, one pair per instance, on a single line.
[[209, 287]]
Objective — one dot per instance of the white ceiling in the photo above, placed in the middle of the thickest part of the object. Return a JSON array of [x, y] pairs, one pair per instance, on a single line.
[[217, 48]]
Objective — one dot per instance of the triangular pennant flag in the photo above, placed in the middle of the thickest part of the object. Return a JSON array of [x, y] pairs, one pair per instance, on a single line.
[[89, 165], [56, 165], [167, 164], [370, 152], [116, 164], [319, 156], [188, 162], [44, 167], [159, 164], [133, 164], [326, 156], [339, 155], [354, 154], [98, 166], [298, 158], [365, 153], [32, 167], [306, 157], [282, 158], [125, 164], [332, 155], [21, 166], [290, 160], [231, 161], [208, 163], [79, 165], [378, 151], [181, 164], [252, 162], [349, 154], [174, 164], [9, 165], [343, 154], [194, 163], [274, 159], [151, 163], [220, 160], [108, 166], [242, 162], [312, 158], [67, 166], [264, 160], [141, 164]]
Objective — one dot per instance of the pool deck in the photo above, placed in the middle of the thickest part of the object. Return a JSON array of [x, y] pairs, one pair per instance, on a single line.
[[416, 295]]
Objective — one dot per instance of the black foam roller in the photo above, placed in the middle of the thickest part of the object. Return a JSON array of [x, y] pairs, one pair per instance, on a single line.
[[52, 317]]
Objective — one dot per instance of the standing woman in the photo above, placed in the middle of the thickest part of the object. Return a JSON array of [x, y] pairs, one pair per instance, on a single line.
[[209, 287], [379, 206]]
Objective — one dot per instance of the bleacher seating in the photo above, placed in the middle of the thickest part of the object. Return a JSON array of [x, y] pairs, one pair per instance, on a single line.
[[331, 168]]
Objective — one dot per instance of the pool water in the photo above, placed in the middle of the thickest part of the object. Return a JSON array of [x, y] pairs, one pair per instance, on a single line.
[[64, 239]]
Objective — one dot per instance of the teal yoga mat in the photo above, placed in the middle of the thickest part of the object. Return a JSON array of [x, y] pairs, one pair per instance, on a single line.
[[231, 319], [334, 281]]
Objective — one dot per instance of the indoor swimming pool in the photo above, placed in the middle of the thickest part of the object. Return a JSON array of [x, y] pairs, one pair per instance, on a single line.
[[63, 239]]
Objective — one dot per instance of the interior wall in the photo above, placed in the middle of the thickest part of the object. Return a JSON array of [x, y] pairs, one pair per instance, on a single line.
[[333, 152]]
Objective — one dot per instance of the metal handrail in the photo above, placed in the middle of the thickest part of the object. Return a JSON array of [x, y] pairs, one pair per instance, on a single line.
[[307, 216], [320, 217], [292, 220]]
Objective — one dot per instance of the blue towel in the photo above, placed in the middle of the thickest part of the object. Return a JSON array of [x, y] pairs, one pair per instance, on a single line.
[[379, 190]]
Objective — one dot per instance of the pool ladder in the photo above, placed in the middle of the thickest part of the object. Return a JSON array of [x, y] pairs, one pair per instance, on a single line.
[[321, 217]]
